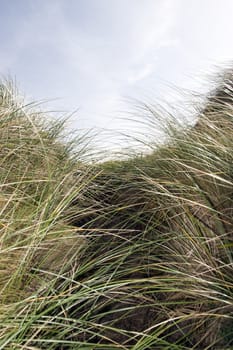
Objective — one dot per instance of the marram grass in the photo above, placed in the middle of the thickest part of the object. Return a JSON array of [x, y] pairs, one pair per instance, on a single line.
[[133, 254]]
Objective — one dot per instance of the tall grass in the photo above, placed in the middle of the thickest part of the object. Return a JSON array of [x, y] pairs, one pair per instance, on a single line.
[[133, 254]]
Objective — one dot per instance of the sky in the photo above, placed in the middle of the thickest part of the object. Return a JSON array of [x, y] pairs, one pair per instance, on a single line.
[[95, 56]]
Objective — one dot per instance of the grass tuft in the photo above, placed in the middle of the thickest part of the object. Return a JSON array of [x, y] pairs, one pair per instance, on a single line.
[[132, 254]]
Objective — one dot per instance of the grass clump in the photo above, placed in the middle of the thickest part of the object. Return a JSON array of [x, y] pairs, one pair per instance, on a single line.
[[133, 254], [36, 173]]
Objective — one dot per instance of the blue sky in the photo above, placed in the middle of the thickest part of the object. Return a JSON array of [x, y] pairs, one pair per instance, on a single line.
[[91, 55]]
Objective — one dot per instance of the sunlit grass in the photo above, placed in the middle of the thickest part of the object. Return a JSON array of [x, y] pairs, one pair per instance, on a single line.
[[133, 254]]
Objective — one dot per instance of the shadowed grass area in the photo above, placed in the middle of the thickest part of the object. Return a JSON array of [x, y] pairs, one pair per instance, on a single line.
[[133, 254]]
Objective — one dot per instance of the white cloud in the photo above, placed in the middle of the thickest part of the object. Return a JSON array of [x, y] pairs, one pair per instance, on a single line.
[[92, 53], [102, 61], [141, 73]]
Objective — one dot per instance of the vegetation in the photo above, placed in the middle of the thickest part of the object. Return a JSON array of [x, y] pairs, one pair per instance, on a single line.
[[133, 254]]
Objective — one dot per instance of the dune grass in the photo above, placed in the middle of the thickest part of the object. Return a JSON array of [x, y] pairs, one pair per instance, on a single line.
[[133, 254]]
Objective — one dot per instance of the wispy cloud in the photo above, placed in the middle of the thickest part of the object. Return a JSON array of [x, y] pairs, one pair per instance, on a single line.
[[118, 48], [91, 53]]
